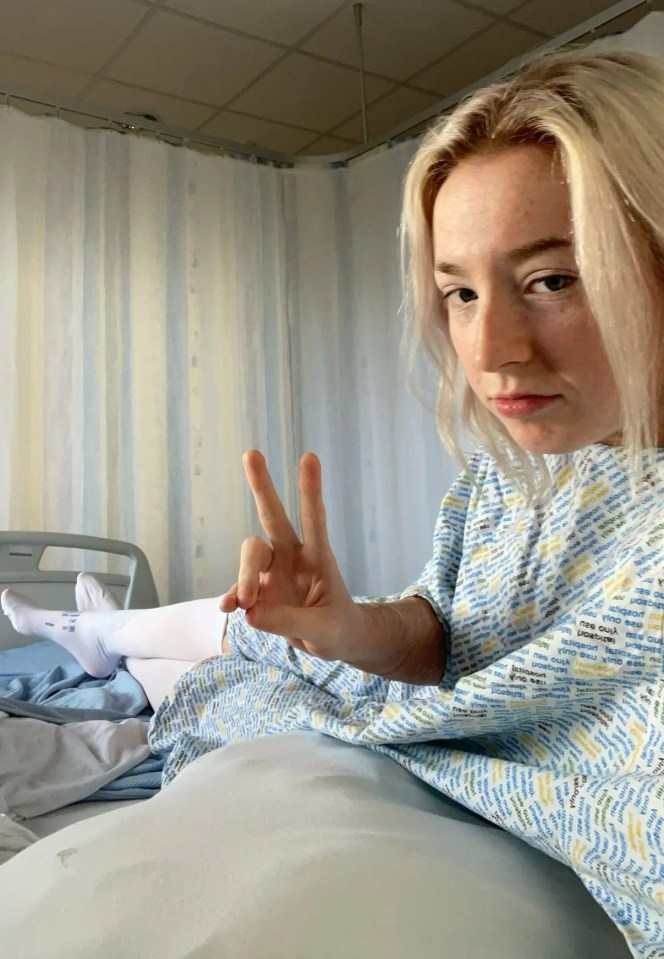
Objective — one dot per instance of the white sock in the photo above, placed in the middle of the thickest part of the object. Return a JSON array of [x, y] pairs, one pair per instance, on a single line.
[[81, 634], [98, 640], [92, 595]]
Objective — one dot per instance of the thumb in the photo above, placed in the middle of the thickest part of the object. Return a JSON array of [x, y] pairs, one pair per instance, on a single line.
[[286, 621]]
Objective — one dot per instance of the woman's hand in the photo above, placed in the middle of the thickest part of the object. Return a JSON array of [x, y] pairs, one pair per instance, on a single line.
[[292, 587]]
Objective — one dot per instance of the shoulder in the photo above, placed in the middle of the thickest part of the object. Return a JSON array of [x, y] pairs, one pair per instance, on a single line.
[[488, 477], [481, 478]]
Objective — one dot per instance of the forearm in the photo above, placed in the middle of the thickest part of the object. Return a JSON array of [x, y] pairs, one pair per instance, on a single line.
[[403, 641]]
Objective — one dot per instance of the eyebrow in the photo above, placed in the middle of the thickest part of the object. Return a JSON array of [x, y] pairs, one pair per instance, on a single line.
[[518, 255]]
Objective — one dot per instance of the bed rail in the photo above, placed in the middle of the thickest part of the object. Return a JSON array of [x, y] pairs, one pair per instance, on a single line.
[[20, 557]]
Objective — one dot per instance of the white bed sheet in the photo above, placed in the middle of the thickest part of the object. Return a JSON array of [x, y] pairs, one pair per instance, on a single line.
[[52, 822], [46, 766], [295, 846], [17, 834]]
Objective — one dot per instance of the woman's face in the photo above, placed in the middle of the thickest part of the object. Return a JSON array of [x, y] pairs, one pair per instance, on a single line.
[[516, 309]]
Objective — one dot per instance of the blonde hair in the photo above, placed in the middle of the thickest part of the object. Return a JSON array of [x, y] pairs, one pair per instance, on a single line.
[[602, 114]]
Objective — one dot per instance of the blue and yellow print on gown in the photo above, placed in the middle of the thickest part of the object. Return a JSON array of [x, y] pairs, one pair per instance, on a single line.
[[550, 719]]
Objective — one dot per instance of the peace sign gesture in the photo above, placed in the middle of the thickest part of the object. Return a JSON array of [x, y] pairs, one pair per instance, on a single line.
[[289, 586]]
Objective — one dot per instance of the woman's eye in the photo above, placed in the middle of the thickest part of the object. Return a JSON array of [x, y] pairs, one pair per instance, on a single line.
[[553, 283], [460, 296]]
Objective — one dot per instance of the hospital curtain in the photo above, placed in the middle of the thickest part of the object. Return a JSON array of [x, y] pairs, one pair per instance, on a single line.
[[164, 309]]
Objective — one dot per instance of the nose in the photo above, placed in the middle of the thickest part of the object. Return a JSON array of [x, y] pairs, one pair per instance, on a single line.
[[503, 335]]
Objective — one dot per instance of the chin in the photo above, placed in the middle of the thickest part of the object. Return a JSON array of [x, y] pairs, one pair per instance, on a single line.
[[548, 441]]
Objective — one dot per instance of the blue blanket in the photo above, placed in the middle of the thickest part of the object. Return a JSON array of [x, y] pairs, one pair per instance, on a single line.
[[42, 681]]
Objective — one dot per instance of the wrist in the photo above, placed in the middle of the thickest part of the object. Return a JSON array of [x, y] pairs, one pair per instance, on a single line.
[[401, 641]]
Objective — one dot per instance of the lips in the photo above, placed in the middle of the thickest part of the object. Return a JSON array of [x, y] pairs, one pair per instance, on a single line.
[[523, 395], [522, 404]]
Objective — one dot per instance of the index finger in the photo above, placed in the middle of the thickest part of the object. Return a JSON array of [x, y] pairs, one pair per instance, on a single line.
[[312, 509], [271, 512]]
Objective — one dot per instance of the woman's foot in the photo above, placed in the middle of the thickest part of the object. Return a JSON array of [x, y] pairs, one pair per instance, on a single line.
[[93, 596], [80, 633]]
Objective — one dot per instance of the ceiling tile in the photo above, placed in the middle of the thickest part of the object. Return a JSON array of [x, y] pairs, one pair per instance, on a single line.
[[477, 58], [257, 132], [556, 18], [45, 78], [80, 34], [325, 146], [308, 93], [127, 99], [190, 59], [284, 22], [398, 38], [387, 113]]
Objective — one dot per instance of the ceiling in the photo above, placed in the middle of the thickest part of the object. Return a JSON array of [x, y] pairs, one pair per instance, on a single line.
[[279, 75]]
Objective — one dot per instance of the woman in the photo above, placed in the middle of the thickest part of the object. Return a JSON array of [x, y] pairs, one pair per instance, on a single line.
[[533, 219]]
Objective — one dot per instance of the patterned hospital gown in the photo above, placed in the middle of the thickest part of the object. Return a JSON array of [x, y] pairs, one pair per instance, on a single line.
[[550, 719]]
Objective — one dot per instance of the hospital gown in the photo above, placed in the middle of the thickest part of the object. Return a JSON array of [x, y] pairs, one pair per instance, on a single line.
[[550, 718]]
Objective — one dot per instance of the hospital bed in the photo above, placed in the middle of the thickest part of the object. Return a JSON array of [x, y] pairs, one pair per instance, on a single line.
[[284, 847], [26, 565], [22, 566]]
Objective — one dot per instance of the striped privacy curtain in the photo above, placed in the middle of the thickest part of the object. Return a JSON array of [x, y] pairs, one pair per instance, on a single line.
[[165, 309]]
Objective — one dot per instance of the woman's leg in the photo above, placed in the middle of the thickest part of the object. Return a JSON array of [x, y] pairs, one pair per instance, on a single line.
[[157, 676], [186, 631]]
